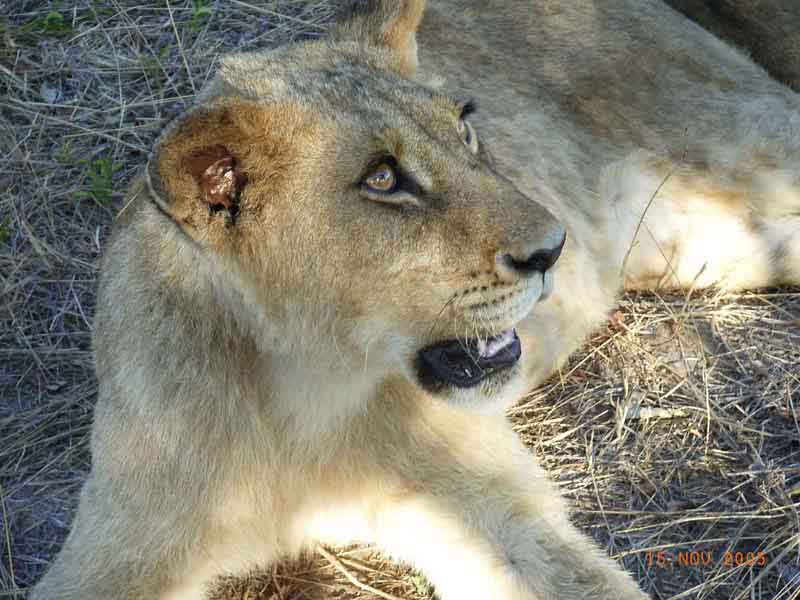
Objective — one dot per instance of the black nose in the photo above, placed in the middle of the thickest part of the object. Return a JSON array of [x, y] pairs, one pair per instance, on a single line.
[[540, 261]]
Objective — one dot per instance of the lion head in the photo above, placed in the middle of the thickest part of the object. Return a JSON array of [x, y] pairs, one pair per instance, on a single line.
[[354, 215]]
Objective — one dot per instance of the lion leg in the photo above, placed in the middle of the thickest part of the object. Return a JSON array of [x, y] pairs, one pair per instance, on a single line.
[[681, 227], [469, 507], [102, 559], [115, 552]]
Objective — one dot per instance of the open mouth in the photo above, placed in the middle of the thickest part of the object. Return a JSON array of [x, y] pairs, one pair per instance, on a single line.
[[466, 363]]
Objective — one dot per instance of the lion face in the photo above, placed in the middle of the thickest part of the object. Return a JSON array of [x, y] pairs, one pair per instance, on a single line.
[[361, 209]]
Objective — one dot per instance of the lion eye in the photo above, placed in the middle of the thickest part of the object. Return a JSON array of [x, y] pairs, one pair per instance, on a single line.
[[383, 179], [468, 136]]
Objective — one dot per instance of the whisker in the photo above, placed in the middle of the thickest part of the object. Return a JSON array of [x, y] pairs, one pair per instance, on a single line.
[[436, 320]]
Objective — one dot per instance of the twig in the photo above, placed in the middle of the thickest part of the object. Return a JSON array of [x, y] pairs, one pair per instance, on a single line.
[[180, 47], [644, 214], [641, 220], [350, 577], [8, 538], [273, 13]]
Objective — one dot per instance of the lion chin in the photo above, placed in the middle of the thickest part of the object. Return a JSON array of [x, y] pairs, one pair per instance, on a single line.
[[477, 374], [480, 371]]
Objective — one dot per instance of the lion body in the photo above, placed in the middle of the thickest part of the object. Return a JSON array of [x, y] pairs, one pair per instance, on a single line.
[[766, 29], [256, 367]]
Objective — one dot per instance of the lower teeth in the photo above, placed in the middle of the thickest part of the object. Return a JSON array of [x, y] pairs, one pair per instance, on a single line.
[[491, 347]]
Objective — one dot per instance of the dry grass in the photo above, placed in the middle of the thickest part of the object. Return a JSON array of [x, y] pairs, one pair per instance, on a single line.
[[677, 429]]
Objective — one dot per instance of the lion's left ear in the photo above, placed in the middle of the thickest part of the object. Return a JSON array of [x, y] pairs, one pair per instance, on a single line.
[[388, 24]]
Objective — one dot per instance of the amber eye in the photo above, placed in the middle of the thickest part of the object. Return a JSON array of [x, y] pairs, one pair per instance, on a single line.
[[468, 136], [383, 179]]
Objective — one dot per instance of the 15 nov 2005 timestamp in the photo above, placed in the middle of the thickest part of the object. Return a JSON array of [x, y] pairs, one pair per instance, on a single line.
[[705, 558]]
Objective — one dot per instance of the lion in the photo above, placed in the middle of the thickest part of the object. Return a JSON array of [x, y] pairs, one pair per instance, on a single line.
[[766, 29], [336, 272]]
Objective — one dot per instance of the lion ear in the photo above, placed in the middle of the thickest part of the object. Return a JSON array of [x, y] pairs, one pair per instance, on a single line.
[[196, 166], [389, 24]]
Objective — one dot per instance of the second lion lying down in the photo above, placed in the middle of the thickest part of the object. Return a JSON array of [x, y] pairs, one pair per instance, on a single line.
[[331, 279]]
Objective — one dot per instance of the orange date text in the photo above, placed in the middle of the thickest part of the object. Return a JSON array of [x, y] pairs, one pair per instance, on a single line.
[[705, 558]]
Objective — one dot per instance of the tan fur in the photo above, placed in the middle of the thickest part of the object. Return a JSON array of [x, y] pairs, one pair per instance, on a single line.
[[257, 375]]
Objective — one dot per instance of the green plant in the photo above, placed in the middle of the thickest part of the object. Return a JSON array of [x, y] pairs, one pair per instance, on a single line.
[[201, 11], [65, 155], [421, 585], [101, 8], [5, 230], [100, 173], [52, 23], [152, 66]]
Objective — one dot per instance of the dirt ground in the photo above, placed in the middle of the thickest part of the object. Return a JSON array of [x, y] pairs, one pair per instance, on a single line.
[[675, 431]]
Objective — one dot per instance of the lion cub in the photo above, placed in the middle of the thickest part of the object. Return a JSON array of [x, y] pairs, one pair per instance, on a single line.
[[323, 292]]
